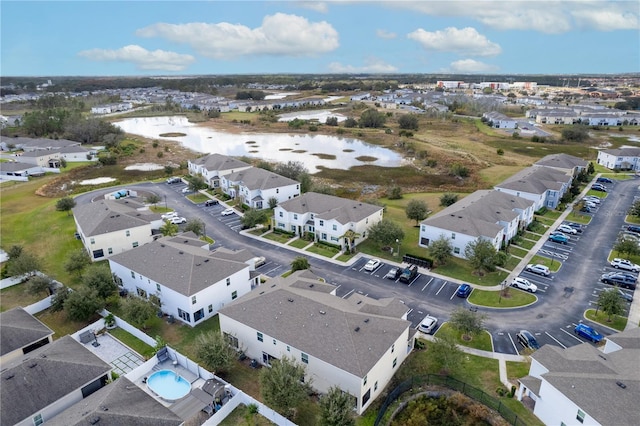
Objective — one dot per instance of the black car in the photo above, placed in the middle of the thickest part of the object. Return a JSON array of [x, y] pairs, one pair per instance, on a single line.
[[576, 226], [211, 203], [526, 339], [585, 209], [604, 180], [599, 188], [620, 279], [633, 228]]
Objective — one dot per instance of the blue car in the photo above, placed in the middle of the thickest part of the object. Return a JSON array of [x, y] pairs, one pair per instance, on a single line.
[[559, 238], [588, 333], [464, 290]]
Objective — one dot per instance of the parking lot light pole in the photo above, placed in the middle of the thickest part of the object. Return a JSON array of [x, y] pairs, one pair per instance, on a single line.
[[165, 202], [398, 243]]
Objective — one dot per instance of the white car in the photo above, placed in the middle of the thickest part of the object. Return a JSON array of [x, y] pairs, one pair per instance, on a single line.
[[186, 190], [567, 229], [227, 212], [178, 220], [524, 284], [625, 264], [538, 269], [372, 265], [169, 215], [428, 324], [594, 200]]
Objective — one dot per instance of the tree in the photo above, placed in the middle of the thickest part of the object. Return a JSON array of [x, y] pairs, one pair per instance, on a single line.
[[196, 183], [15, 251], [395, 193], [291, 169], [300, 263], [38, 285], [253, 217], [194, 225], [385, 232], [77, 261], [635, 209], [350, 122], [63, 163], [215, 352], [441, 250], [445, 353], [448, 199], [273, 202], [467, 322], [408, 122], [281, 385], [25, 264], [59, 297], [100, 279], [153, 199], [336, 408], [305, 182], [138, 311], [169, 229], [611, 303], [372, 118], [481, 255], [626, 246], [417, 210], [331, 121], [82, 304], [459, 170], [65, 204], [575, 133]]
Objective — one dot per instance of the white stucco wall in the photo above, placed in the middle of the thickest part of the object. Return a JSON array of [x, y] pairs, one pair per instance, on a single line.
[[553, 408], [117, 241]]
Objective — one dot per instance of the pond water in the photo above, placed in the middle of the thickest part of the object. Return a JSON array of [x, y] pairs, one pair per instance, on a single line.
[[313, 150]]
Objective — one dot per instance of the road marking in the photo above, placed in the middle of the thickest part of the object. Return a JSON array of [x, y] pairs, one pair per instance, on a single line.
[[440, 289], [345, 296], [513, 343], [556, 340], [425, 286], [570, 334]]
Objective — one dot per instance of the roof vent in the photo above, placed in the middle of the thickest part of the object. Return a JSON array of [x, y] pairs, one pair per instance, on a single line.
[[602, 356], [43, 356], [273, 285], [186, 241], [94, 420], [138, 214], [111, 217], [206, 260], [198, 264], [357, 329], [33, 364], [290, 299], [104, 408], [359, 302], [622, 385], [367, 320], [311, 285], [161, 245], [181, 252], [10, 376], [117, 215], [322, 313]]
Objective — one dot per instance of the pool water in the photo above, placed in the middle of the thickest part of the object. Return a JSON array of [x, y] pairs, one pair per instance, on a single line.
[[168, 385]]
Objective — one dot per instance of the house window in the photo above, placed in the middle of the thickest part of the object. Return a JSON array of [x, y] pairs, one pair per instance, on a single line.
[[375, 386], [158, 288], [280, 214], [335, 227], [395, 362], [37, 420], [274, 341], [393, 347], [311, 216], [228, 282], [110, 250], [288, 348], [234, 295], [456, 250], [98, 253], [453, 236], [293, 228], [193, 300], [128, 233], [324, 236], [197, 316], [260, 337], [277, 190], [335, 239], [135, 244], [580, 416], [133, 274], [304, 357], [210, 308], [321, 222], [366, 397], [141, 292], [184, 315], [93, 240], [280, 225], [295, 216], [233, 340], [364, 381]]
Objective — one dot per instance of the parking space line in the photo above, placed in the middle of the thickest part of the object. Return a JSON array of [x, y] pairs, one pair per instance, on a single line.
[[414, 280], [556, 340], [348, 294], [513, 343], [440, 289], [570, 334], [425, 286]]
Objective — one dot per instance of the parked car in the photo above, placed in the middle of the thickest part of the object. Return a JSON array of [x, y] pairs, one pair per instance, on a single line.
[[372, 265], [524, 284], [464, 290], [604, 180], [633, 229], [625, 296], [178, 220], [393, 274], [186, 190], [593, 199], [588, 332], [589, 204], [577, 226], [173, 180], [408, 274], [567, 229], [625, 264], [428, 324], [599, 188], [169, 215], [559, 238], [227, 212], [538, 269], [211, 203], [619, 279], [585, 209], [526, 339]]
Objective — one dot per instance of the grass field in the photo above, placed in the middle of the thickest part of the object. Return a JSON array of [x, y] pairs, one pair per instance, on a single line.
[[617, 322], [510, 298], [481, 341]]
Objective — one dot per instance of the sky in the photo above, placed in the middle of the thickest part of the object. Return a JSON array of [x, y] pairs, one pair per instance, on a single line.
[[123, 38]]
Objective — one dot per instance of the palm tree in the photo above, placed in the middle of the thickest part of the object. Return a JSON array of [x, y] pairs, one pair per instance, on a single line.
[[349, 237], [169, 229]]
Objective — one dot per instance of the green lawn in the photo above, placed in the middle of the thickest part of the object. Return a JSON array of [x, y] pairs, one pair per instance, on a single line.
[[510, 298], [276, 236], [198, 198], [17, 295], [531, 236], [578, 217], [550, 214], [632, 219], [517, 251], [517, 370], [525, 244], [460, 269], [545, 221], [345, 257], [511, 263], [617, 322], [60, 324], [323, 250], [299, 243], [133, 342], [482, 341]]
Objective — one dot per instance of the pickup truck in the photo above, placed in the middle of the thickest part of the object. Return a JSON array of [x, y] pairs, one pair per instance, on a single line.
[[408, 274]]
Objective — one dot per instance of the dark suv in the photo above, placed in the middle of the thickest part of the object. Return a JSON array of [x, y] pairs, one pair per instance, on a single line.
[[409, 274], [620, 279], [633, 228], [526, 339]]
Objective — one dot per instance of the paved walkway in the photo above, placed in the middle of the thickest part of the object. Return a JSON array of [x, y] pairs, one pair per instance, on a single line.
[[111, 350]]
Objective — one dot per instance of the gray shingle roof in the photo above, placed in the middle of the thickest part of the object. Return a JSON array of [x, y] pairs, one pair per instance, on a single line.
[[562, 161], [219, 162], [182, 266], [29, 386], [104, 216], [18, 329], [624, 152], [121, 403], [589, 378], [256, 178], [15, 166], [324, 326], [536, 180], [328, 207]]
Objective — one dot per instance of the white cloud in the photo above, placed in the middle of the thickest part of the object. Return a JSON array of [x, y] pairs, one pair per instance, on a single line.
[[372, 65], [470, 66], [279, 34], [386, 34], [465, 41], [607, 20], [142, 58], [316, 6]]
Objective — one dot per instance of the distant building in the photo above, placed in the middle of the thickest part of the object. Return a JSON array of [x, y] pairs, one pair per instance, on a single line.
[[620, 159], [255, 187], [213, 166]]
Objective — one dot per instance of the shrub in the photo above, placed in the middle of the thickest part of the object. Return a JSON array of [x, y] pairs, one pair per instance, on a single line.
[[500, 151], [160, 154]]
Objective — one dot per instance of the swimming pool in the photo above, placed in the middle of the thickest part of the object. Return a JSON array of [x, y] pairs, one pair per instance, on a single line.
[[168, 385]]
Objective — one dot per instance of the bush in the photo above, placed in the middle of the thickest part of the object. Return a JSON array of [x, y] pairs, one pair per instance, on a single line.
[[500, 151], [160, 154]]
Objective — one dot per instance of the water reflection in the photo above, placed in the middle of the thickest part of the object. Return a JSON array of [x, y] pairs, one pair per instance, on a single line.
[[312, 150]]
